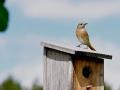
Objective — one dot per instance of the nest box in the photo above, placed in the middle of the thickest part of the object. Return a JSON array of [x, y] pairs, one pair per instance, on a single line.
[[68, 68]]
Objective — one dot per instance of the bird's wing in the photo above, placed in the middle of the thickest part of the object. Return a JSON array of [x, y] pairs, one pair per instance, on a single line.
[[85, 37]]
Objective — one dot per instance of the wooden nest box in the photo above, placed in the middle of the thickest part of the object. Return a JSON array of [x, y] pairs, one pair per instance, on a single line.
[[72, 68]]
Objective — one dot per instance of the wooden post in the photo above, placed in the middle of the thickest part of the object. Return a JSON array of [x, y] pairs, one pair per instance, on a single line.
[[72, 68]]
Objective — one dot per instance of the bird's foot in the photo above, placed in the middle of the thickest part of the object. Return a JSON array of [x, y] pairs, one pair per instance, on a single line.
[[78, 45], [82, 46]]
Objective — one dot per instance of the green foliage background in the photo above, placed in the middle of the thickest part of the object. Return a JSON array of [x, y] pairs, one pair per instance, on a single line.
[[107, 87], [4, 16], [11, 84]]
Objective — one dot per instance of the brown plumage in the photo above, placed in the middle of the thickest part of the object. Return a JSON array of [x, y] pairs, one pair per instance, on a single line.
[[83, 36]]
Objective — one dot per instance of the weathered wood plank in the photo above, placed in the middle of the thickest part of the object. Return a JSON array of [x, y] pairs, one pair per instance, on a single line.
[[58, 47], [44, 69], [76, 51], [58, 71]]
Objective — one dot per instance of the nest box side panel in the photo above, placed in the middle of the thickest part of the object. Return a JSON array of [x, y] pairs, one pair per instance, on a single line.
[[58, 70], [88, 73]]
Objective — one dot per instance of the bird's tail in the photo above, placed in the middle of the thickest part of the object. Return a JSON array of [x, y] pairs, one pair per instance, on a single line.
[[91, 47]]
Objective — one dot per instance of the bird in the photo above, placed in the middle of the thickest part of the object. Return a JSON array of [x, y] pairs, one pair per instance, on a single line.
[[83, 36]]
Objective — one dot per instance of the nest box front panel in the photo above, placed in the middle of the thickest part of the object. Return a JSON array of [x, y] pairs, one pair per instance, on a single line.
[[88, 72]]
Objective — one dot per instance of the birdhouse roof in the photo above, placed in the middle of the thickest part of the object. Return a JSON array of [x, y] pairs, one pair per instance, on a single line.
[[75, 50]]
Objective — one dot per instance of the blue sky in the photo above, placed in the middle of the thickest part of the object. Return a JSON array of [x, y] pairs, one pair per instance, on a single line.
[[33, 21]]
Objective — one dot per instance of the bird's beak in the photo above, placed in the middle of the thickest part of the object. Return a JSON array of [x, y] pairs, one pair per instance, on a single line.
[[85, 23]]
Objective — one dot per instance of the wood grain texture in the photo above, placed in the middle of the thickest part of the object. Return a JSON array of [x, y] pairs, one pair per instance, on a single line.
[[96, 78], [57, 71]]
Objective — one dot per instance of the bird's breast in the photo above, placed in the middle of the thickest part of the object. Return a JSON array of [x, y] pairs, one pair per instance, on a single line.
[[79, 35]]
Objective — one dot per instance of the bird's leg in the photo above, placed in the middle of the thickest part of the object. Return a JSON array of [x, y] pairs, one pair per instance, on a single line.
[[79, 45]]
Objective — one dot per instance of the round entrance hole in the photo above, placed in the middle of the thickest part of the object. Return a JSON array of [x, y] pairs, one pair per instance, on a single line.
[[86, 71]]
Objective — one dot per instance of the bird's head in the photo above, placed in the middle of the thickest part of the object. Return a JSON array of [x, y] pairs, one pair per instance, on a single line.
[[82, 25]]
